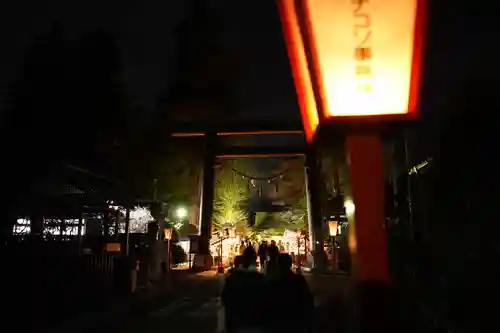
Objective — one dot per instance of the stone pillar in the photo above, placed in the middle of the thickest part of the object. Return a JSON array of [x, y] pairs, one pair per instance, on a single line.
[[314, 210], [155, 239], [153, 264]]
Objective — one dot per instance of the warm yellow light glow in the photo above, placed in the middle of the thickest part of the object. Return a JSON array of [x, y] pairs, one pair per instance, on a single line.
[[363, 56], [332, 228], [181, 212], [349, 207], [167, 233], [364, 51]]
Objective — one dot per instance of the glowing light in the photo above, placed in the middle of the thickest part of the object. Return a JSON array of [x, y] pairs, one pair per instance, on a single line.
[[167, 233], [354, 57], [181, 212], [23, 227], [349, 207], [365, 60], [332, 228]]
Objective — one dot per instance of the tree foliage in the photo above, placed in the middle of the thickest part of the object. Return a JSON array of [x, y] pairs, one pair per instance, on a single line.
[[68, 106], [157, 168], [187, 229], [275, 224], [296, 218], [230, 197]]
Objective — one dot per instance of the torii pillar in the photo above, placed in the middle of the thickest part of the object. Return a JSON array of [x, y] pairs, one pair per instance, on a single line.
[[314, 210], [203, 259]]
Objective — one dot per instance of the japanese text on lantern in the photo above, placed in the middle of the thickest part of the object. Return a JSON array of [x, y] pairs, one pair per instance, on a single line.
[[363, 48]]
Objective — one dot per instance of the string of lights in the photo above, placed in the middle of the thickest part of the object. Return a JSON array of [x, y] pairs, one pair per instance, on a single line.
[[269, 178]]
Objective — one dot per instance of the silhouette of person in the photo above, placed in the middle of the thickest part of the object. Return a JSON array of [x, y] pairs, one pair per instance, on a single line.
[[245, 298], [281, 247], [262, 256], [250, 253], [273, 252], [242, 248], [294, 302]]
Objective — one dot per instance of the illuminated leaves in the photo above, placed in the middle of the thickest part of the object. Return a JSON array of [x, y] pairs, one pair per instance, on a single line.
[[231, 194]]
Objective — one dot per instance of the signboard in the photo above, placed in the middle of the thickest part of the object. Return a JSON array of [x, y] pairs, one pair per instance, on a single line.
[[354, 58], [112, 247]]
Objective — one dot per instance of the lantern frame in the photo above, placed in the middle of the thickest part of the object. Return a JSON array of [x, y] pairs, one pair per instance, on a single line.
[[341, 125], [167, 233]]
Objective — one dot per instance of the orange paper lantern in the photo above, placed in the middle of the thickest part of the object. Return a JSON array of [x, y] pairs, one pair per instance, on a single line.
[[354, 60]]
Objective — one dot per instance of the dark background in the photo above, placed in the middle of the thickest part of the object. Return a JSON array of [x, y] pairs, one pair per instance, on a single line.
[[459, 106]]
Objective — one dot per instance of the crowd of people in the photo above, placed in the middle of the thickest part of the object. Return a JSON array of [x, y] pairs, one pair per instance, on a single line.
[[273, 298], [264, 252]]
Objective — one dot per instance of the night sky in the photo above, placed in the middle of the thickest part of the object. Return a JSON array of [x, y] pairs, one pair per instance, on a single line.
[[460, 79], [145, 33]]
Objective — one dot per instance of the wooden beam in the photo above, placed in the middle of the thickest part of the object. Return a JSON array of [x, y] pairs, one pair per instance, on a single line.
[[234, 133], [263, 132], [241, 155], [250, 152], [247, 128]]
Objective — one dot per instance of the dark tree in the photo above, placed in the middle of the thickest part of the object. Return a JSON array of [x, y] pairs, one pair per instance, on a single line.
[[101, 114], [31, 139], [206, 68], [69, 106]]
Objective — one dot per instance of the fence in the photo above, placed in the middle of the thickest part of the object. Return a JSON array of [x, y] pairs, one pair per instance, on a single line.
[[48, 282]]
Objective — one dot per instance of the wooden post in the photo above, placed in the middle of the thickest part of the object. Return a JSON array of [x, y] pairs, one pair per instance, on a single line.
[[334, 257], [80, 236], [37, 224], [207, 195], [371, 273], [62, 229], [127, 230], [117, 224], [105, 224]]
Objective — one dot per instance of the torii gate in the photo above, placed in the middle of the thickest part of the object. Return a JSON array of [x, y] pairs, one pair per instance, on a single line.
[[214, 149]]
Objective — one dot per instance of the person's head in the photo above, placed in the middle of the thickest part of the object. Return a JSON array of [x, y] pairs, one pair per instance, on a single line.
[[246, 261], [242, 243], [284, 262], [273, 242], [238, 260]]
